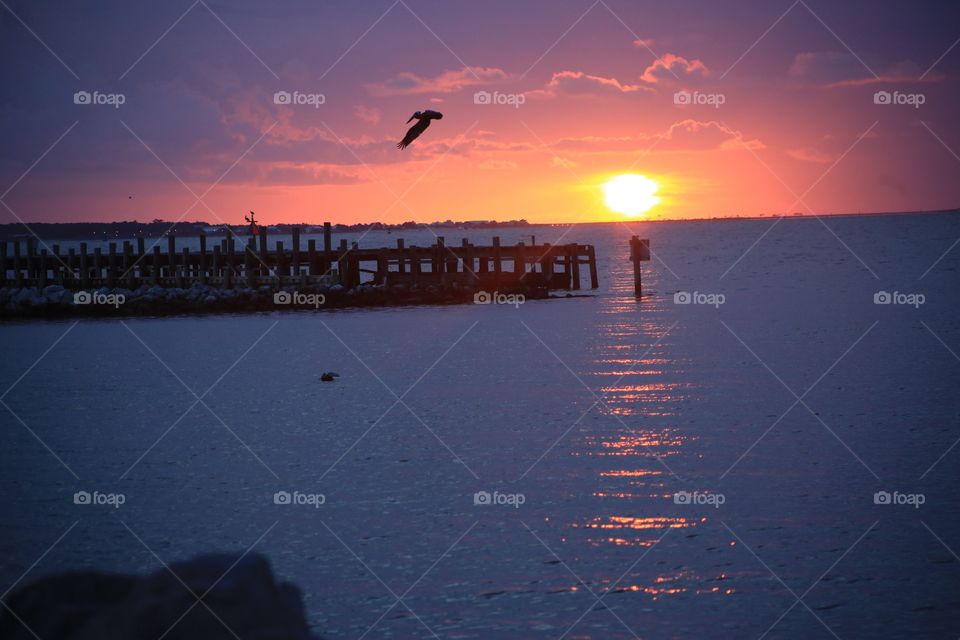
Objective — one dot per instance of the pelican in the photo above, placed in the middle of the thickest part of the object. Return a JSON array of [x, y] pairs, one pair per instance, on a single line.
[[423, 119]]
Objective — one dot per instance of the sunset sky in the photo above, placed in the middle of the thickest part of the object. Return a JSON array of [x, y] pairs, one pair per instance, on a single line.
[[587, 90]]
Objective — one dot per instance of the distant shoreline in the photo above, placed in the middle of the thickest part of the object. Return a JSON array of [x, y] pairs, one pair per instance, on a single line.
[[160, 228]]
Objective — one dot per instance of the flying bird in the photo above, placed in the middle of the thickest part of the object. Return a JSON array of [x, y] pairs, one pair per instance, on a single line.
[[423, 119]]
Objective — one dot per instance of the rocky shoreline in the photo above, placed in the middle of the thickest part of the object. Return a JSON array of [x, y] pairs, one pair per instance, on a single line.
[[57, 301]]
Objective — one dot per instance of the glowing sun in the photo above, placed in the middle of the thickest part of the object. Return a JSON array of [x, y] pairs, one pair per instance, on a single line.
[[630, 194]]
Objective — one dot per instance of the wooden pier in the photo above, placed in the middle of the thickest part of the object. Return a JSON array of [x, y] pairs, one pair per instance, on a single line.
[[236, 261]]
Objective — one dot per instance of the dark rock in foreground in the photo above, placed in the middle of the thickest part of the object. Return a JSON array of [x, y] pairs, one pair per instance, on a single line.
[[88, 605]]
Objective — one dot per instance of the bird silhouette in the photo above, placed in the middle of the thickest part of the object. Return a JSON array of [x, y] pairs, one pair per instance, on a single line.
[[423, 119]]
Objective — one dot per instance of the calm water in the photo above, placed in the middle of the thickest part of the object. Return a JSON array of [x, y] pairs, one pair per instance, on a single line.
[[594, 412]]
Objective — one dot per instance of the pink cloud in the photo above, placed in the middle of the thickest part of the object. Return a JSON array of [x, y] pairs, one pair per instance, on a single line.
[[668, 66], [408, 83]]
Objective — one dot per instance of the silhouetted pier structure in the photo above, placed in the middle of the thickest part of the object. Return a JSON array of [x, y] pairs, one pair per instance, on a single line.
[[234, 261], [639, 252]]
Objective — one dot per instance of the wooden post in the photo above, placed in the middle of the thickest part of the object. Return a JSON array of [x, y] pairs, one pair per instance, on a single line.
[[415, 265], [295, 251], [327, 248], [155, 271], [203, 259], [264, 266], [343, 263], [401, 261], [382, 267], [112, 265], [248, 269], [497, 265], [438, 262], [575, 266], [128, 263], [639, 251], [519, 261], [17, 276], [592, 258], [98, 267], [229, 266], [58, 265], [43, 269], [354, 269], [31, 262], [483, 262], [215, 267], [546, 265], [312, 257], [84, 274], [282, 269], [185, 270], [71, 260], [172, 256], [467, 257]]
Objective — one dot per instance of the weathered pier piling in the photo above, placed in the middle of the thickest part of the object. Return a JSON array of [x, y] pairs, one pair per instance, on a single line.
[[639, 252], [237, 261]]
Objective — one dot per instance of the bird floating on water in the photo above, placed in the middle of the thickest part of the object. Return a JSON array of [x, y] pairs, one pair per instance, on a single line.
[[423, 119]]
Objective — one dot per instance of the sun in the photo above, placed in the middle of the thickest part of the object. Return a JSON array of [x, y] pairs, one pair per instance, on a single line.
[[630, 194]]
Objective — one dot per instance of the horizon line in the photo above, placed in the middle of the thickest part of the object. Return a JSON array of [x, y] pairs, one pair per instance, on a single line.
[[518, 221]]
